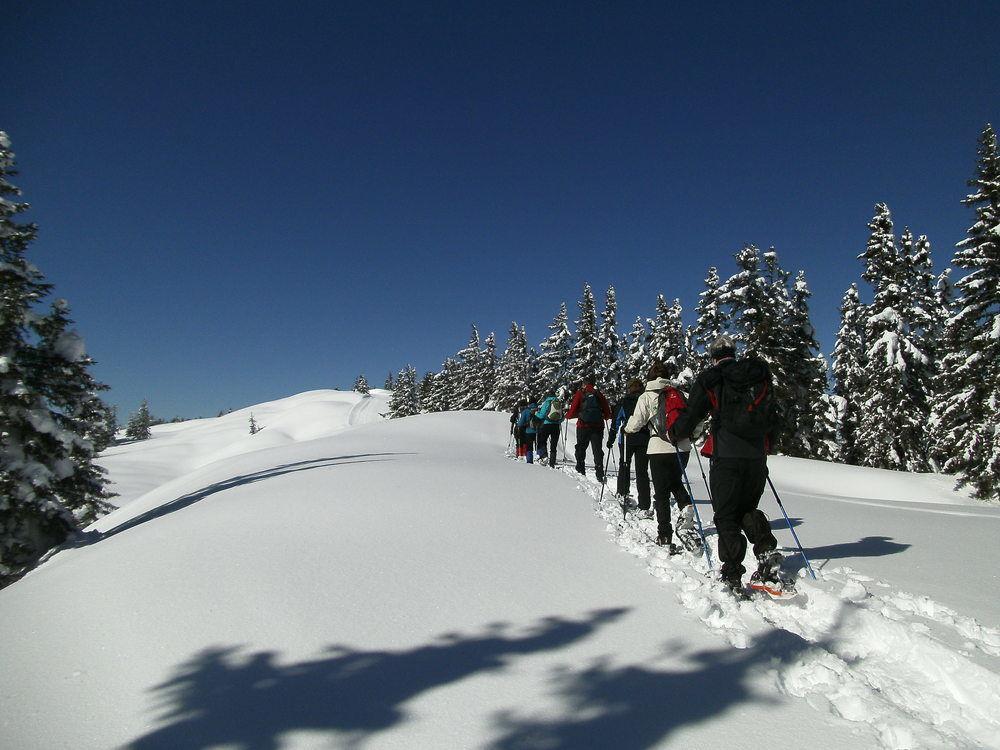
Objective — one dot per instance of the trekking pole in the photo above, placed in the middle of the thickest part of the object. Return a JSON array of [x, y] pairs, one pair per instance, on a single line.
[[604, 484], [794, 535], [565, 437], [697, 515]]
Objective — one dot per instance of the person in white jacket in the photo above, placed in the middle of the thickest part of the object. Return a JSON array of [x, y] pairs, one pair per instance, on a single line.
[[664, 465]]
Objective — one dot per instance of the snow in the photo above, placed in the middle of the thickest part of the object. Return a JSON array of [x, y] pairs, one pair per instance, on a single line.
[[338, 581]]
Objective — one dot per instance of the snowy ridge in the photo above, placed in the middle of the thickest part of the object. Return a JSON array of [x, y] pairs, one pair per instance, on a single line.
[[878, 656]]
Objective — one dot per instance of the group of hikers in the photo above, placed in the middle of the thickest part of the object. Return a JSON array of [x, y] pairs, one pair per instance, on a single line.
[[654, 424]]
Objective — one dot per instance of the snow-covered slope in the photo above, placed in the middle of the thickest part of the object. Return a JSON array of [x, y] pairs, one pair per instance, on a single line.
[[405, 584]]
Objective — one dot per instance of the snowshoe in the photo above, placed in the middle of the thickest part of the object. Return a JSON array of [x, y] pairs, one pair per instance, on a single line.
[[664, 541], [768, 579], [646, 514], [690, 539], [734, 586]]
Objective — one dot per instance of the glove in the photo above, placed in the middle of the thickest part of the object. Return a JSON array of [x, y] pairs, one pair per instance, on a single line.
[[672, 436], [611, 439]]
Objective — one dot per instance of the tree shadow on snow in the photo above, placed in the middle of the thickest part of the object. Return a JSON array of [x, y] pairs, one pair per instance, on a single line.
[[869, 546], [639, 706], [222, 697], [91, 537]]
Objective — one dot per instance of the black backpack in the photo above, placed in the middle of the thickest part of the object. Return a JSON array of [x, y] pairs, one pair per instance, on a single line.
[[746, 409], [590, 409]]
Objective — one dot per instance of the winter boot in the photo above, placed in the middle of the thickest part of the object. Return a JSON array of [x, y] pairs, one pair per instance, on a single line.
[[734, 586], [768, 578], [645, 514], [662, 540]]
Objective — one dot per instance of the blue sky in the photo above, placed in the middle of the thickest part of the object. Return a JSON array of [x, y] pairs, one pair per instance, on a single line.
[[243, 201]]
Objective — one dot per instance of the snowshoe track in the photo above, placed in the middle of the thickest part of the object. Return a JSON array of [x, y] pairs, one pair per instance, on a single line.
[[872, 658]]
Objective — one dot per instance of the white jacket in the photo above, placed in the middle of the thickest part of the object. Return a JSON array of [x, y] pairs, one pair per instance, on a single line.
[[645, 410]]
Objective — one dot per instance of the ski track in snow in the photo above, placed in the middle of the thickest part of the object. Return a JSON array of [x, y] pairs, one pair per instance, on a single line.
[[915, 671]]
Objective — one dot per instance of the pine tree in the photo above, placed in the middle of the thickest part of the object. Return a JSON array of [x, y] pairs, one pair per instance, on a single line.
[[471, 393], [389, 384], [512, 371], [554, 364], [139, 424], [749, 302], [488, 372], [425, 393], [254, 427], [51, 416], [891, 432], [611, 368], [361, 386], [637, 359], [850, 384], [966, 419], [586, 355], [812, 430], [403, 402], [712, 321]]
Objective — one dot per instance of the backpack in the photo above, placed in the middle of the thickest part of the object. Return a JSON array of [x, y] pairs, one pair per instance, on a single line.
[[669, 405], [746, 409], [590, 409], [555, 412]]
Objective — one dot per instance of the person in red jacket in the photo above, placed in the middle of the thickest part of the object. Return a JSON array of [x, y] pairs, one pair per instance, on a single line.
[[591, 411]]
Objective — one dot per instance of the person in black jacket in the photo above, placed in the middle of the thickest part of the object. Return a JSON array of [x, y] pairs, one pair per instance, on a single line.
[[634, 448], [737, 393]]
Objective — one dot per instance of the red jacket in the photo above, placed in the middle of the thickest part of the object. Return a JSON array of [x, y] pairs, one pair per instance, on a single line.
[[574, 408]]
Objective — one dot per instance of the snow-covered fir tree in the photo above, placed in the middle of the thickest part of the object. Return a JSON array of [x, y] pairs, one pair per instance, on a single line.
[[586, 354], [750, 303], [488, 371], [637, 358], [470, 389], [808, 413], [611, 367], [892, 429], [711, 323], [967, 413], [138, 427], [361, 385], [667, 340], [254, 427], [389, 382], [512, 371], [52, 418], [403, 402], [850, 384], [425, 393], [554, 363]]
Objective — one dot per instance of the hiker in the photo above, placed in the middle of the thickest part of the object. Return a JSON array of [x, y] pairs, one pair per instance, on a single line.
[[551, 412], [634, 446], [656, 410], [738, 395], [515, 431], [526, 425], [591, 411]]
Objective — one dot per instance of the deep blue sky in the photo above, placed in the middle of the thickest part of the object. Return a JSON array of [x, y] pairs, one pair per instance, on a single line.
[[246, 200]]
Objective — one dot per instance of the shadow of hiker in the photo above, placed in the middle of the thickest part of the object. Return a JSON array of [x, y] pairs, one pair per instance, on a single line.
[[91, 537], [869, 546], [637, 706], [780, 523], [223, 698]]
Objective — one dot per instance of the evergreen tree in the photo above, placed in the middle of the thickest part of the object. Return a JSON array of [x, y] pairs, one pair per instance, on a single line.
[[812, 430], [611, 368], [254, 427], [891, 432], [554, 364], [139, 424], [361, 385], [470, 393], [850, 384], [637, 359], [965, 420], [712, 321], [512, 371], [488, 372], [51, 416], [389, 384], [403, 402], [586, 355], [750, 304], [425, 393]]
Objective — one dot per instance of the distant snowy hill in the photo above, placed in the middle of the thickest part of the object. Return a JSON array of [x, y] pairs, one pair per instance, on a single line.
[[341, 580]]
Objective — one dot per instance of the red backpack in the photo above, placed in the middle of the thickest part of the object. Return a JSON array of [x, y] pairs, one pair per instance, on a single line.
[[669, 406]]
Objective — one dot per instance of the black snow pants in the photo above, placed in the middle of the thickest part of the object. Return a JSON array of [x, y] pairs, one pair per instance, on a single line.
[[635, 452], [667, 481], [547, 438], [737, 485], [591, 436]]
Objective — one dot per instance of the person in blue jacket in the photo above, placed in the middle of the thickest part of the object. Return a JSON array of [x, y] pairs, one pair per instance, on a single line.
[[551, 412], [526, 429]]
